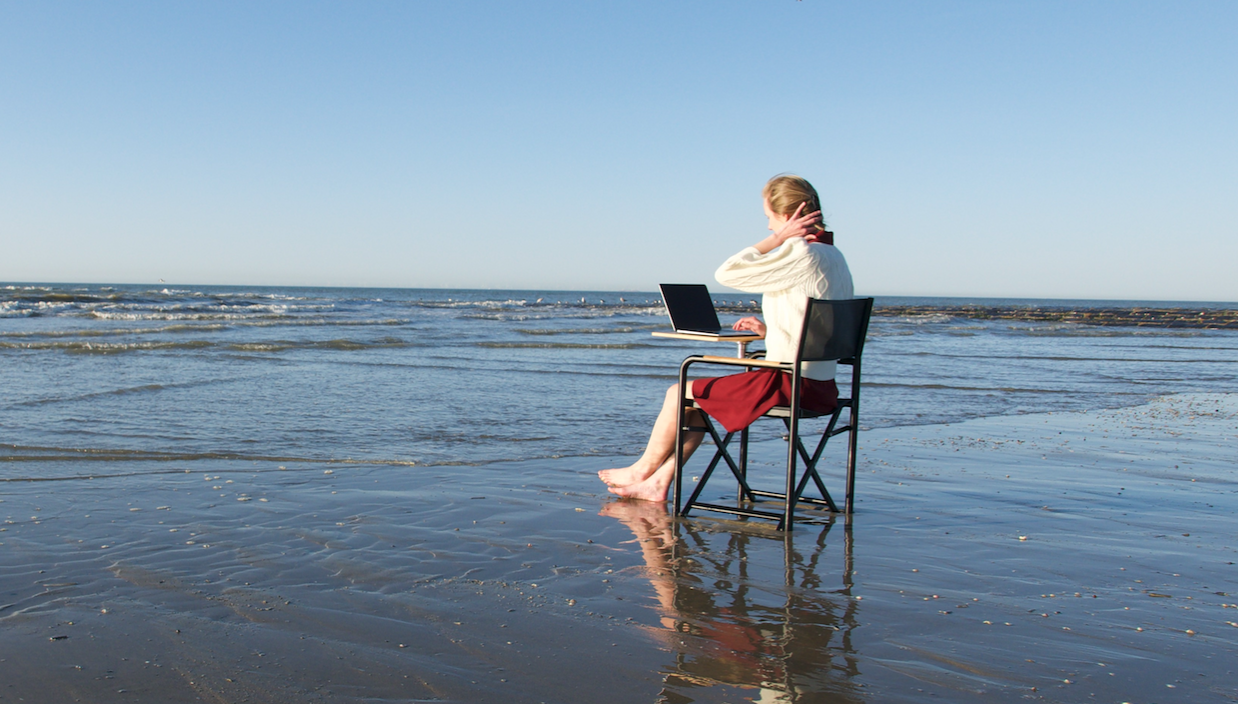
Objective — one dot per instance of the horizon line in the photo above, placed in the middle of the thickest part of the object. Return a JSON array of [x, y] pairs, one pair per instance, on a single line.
[[9, 284]]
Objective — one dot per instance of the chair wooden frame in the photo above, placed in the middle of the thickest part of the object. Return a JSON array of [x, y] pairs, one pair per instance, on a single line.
[[832, 330]]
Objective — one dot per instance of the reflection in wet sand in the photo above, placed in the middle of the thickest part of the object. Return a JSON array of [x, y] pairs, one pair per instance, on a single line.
[[748, 610]]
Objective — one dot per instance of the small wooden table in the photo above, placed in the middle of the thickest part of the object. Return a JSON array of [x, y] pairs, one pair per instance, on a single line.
[[740, 340]]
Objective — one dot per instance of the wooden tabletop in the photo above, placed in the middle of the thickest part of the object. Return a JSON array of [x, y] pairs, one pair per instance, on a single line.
[[707, 336]]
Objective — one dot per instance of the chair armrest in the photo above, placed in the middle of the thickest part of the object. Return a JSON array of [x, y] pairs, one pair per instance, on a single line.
[[745, 362]]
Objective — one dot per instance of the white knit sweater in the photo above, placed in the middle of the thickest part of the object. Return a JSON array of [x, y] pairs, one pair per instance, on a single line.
[[787, 277]]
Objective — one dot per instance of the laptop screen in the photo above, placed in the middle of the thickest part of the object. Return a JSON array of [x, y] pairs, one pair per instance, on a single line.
[[690, 307]]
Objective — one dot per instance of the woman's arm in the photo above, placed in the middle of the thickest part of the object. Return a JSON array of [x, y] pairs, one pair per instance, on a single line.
[[783, 268], [797, 226], [778, 262]]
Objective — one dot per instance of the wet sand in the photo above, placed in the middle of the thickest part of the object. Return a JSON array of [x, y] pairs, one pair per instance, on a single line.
[[1056, 557]]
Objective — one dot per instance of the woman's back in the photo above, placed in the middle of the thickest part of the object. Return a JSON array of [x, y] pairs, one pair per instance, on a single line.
[[787, 277]]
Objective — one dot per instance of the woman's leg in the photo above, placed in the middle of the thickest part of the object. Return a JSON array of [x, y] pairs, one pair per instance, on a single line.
[[661, 446], [656, 486]]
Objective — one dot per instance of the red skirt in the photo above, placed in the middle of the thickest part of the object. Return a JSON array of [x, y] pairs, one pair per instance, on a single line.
[[737, 400]]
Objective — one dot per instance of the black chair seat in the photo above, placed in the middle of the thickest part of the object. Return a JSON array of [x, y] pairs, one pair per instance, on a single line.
[[785, 412]]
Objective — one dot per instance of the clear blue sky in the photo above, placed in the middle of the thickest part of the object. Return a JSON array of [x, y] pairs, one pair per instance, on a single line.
[[1046, 149]]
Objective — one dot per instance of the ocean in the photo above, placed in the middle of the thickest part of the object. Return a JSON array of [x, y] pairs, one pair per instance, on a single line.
[[95, 376]]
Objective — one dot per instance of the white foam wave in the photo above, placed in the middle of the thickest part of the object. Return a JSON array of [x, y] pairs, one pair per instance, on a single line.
[[116, 315], [220, 295], [105, 347], [922, 319], [114, 332]]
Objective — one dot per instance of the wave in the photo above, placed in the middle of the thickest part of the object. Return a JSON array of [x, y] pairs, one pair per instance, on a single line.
[[322, 322], [563, 345], [569, 313], [37, 296], [1154, 316], [589, 331], [43, 453], [504, 309], [164, 304], [538, 303], [1214, 348], [1084, 331], [108, 294], [106, 347], [125, 391], [116, 332], [80, 347], [191, 328], [980, 358], [212, 312], [900, 326], [921, 319], [951, 387], [282, 345], [39, 455]]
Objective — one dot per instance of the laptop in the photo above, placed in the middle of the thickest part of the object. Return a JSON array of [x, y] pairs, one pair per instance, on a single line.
[[692, 311]]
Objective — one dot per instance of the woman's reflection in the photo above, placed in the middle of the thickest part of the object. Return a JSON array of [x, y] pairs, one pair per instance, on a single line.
[[745, 609]]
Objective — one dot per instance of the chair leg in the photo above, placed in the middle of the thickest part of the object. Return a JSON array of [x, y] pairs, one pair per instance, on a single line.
[[793, 448], [811, 473], [743, 465], [744, 492], [810, 467], [677, 488], [852, 449], [681, 417], [709, 472]]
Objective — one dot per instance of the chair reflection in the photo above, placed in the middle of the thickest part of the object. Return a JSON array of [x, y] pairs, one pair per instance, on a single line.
[[748, 609]]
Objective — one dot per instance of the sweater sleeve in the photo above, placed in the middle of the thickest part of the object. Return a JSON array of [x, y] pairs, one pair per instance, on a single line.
[[780, 269]]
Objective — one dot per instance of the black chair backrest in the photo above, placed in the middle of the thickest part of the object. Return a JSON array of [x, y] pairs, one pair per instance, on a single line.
[[834, 329]]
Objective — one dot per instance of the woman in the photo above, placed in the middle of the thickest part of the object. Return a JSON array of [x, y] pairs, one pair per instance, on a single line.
[[796, 262]]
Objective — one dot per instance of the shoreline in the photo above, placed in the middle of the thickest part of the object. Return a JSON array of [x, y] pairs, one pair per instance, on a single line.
[[1186, 317], [514, 581]]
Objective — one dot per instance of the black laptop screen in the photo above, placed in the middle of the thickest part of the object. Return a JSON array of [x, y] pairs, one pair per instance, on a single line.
[[690, 307]]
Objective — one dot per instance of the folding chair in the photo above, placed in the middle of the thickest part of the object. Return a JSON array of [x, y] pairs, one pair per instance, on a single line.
[[833, 330]]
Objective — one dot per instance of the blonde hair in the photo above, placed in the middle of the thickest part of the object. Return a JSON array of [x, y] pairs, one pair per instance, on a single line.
[[785, 192]]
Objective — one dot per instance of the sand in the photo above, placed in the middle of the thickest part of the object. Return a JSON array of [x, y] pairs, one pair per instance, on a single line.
[[1056, 557]]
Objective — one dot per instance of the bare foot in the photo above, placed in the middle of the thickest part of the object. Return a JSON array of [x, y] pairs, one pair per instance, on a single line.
[[652, 489], [625, 476]]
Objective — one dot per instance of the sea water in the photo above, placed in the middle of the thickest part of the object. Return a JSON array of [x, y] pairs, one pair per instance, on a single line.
[[407, 377]]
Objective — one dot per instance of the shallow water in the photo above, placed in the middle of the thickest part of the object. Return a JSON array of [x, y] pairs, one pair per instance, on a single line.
[[100, 374]]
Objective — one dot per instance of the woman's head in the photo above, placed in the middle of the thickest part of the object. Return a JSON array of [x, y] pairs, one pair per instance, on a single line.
[[784, 194]]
